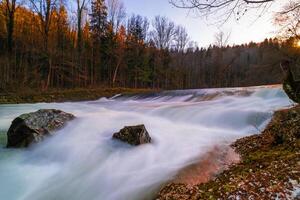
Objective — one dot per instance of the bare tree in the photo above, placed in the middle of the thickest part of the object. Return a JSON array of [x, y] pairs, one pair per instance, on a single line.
[[291, 6], [10, 10], [224, 9], [222, 38], [116, 13], [181, 38], [44, 10], [192, 46], [163, 33], [288, 20], [81, 4], [213, 4], [138, 27]]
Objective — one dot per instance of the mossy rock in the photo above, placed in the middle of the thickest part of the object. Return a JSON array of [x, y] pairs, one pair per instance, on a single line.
[[34, 127], [133, 135]]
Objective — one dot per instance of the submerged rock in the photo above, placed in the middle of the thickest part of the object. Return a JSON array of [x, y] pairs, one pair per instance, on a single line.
[[134, 135], [34, 127]]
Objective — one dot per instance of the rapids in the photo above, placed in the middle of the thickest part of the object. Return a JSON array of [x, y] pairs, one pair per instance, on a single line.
[[82, 162]]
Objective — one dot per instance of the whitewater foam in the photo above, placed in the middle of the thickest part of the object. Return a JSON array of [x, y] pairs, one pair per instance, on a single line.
[[83, 162]]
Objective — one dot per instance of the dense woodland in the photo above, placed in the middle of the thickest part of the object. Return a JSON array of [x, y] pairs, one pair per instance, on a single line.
[[51, 44]]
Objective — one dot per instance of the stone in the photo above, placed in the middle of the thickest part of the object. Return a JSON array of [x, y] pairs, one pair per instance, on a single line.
[[133, 135], [34, 127]]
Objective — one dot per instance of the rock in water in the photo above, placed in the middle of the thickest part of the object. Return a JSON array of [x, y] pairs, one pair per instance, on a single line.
[[34, 127], [134, 135]]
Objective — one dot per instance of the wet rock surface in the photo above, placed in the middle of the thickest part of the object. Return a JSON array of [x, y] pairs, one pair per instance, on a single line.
[[269, 167], [34, 127], [133, 135]]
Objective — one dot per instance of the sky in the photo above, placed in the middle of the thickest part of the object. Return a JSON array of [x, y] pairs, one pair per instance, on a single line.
[[202, 30]]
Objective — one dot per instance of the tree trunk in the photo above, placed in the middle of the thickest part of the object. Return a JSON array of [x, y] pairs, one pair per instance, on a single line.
[[10, 19], [115, 74], [10, 30], [49, 74]]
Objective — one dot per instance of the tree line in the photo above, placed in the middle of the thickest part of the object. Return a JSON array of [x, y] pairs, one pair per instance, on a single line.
[[46, 44], [233, 66]]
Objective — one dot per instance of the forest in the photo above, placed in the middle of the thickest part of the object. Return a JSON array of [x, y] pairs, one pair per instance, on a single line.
[[46, 45]]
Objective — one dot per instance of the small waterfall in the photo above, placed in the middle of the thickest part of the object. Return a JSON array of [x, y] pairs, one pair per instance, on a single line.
[[83, 162]]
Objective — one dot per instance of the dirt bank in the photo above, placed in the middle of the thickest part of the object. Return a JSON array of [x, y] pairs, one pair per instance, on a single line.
[[80, 94], [269, 167]]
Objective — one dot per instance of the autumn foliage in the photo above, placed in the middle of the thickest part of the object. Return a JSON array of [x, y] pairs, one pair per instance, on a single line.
[[50, 47]]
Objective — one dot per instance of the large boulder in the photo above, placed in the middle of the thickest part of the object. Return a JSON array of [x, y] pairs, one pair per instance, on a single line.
[[34, 127], [133, 135]]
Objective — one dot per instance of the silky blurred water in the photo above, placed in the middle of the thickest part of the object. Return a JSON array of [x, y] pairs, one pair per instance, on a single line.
[[82, 162]]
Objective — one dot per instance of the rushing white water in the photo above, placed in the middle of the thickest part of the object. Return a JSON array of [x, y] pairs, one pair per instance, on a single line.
[[82, 162]]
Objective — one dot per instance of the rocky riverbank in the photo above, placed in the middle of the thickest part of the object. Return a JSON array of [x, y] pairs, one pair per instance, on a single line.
[[269, 166], [80, 94]]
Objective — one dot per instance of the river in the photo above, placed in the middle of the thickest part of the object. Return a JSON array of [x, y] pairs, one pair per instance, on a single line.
[[82, 162]]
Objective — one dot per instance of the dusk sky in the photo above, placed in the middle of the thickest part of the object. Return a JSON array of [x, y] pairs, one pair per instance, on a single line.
[[200, 29]]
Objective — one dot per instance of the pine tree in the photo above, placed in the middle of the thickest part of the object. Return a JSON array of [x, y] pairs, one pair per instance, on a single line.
[[99, 32], [98, 22]]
